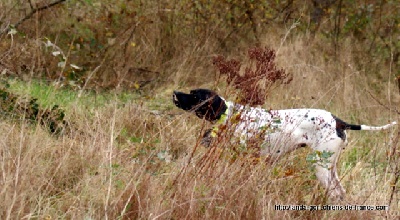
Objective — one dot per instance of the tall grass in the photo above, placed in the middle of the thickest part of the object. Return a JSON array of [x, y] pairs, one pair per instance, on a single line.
[[133, 155], [142, 159]]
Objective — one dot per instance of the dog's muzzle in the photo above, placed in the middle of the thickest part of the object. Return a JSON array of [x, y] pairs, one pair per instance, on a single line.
[[175, 99]]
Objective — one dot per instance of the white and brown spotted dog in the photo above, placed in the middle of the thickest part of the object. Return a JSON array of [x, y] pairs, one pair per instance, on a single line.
[[281, 131]]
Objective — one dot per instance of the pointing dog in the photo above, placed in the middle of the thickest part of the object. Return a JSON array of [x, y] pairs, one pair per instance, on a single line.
[[280, 131]]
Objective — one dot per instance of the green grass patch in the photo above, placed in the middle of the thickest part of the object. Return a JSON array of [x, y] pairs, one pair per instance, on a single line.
[[48, 95]]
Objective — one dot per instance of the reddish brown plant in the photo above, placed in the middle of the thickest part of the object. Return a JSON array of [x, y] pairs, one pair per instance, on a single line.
[[260, 75]]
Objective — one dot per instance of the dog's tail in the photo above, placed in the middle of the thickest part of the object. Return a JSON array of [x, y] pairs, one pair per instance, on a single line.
[[342, 125], [377, 128], [369, 128]]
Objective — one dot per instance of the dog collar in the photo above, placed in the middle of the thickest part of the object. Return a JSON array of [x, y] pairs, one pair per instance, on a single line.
[[222, 120]]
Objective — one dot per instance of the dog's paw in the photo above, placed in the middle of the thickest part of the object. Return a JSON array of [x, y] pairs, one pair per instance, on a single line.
[[206, 139]]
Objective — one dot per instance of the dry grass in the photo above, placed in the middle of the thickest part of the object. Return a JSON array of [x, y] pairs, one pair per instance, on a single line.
[[141, 159]]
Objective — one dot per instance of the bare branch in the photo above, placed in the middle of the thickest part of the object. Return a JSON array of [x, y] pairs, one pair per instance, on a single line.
[[28, 16], [383, 105], [30, 4]]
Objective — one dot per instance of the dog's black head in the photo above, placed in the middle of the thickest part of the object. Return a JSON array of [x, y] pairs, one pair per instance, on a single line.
[[205, 103]]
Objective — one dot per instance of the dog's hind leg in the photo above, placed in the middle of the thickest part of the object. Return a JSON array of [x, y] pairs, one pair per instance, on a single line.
[[326, 171]]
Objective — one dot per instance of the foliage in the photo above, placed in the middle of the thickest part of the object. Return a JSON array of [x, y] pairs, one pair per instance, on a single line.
[[258, 78], [110, 40], [13, 107], [320, 158]]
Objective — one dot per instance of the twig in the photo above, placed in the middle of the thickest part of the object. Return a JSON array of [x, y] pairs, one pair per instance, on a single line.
[[395, 169], [30, 4], [28, 16], [383, 105]]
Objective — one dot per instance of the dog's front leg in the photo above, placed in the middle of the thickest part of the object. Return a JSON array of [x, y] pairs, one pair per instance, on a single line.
[[207, 138]]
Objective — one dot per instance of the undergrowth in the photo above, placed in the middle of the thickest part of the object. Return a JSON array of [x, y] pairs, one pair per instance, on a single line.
[[141, 158], [111, 67]]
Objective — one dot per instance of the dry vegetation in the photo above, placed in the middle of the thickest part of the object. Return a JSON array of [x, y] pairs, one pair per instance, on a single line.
[[130, 154]]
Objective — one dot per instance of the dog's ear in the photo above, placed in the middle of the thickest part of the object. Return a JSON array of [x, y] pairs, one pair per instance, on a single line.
[[211, 105], [218, 108]]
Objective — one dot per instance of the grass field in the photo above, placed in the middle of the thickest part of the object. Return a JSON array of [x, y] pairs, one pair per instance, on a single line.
[[129, 153]]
